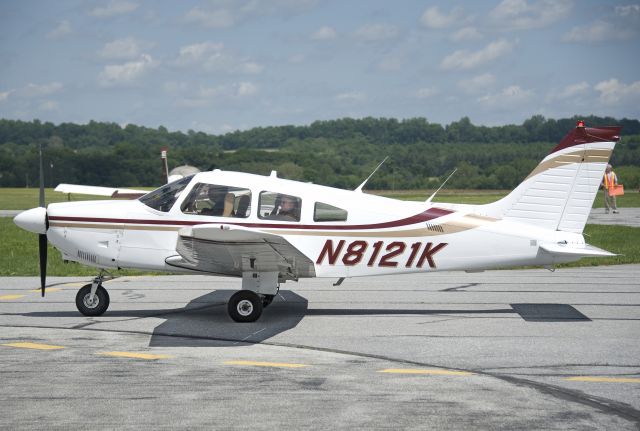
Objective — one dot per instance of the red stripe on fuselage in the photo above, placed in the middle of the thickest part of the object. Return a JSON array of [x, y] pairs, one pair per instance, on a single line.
[[430, 214]]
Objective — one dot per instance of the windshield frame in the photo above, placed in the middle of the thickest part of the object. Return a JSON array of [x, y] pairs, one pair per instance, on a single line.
[[164, 198]]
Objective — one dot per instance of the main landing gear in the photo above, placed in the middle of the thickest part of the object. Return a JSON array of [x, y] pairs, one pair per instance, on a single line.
[[246, 305], [93, 299]]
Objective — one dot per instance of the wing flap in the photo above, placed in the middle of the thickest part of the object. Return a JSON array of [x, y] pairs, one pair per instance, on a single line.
[[232, 250]]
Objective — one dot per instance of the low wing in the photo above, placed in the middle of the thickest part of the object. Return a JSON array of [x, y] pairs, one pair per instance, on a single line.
[[100, 191], [232, 250]]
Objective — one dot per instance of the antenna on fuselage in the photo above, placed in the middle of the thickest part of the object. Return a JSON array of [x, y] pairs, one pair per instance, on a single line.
[[359, 189], [441, 186]]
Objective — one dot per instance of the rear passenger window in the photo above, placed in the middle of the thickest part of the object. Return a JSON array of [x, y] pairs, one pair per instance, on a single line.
[[278, 206], [326, 212]]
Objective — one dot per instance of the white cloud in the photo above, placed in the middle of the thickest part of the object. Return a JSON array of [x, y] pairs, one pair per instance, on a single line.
[[433, 18], [573, 90], [63, 29], [376, 32], [508, 97], [4, 96], [246, 89], [250, 68], [127, 73], [477, 84], [466, 33], [207, 96], [425, 93], [122, 49], [212, 57], [351, 97], [520, 15], [40, 90], [227, 13], [210, 18], [114, 8], [324, 33], [599, 31], [622, 23], [198, 52], [628, 10], [612, 91], [464, 59]]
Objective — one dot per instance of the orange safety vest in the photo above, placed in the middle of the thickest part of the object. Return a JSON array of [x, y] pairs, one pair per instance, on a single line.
[[609, 179]]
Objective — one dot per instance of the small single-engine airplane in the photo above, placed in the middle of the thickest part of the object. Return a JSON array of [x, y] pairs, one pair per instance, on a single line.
[[269, 230]]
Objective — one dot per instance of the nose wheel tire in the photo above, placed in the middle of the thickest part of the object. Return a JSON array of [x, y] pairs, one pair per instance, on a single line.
[[245, 306], [95, 306]]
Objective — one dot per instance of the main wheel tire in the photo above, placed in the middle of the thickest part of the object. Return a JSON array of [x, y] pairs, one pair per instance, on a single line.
[[98, 306], [245, 306]]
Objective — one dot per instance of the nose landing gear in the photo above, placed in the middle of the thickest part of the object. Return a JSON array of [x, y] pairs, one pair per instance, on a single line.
[[93, 299]]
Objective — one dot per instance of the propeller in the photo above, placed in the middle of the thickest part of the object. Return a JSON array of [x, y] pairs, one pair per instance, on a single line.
[[42, 238]]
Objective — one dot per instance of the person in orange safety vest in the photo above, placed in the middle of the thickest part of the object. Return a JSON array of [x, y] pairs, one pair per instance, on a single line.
[[609, 180]]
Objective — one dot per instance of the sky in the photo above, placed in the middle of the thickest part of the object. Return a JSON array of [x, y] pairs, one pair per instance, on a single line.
[[224, 65]]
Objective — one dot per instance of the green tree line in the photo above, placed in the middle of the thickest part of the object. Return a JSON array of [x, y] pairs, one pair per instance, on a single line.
[[338, 153]]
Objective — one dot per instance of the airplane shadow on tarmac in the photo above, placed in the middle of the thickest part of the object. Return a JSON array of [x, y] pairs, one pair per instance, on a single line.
[[211, 325], [204, 321]]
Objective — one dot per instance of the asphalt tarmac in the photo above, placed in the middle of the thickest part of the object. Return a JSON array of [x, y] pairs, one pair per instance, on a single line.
[[525, 349]]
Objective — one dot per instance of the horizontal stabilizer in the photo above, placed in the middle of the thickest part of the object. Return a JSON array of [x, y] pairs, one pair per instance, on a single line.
[[568, 250]]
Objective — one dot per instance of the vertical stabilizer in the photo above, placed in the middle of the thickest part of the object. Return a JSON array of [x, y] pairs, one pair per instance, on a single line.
[[559, 193]]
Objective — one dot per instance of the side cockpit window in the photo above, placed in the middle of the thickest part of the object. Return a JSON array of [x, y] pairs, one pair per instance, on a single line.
[[278, 206], [162, 199], [326, 212], [216, 200]]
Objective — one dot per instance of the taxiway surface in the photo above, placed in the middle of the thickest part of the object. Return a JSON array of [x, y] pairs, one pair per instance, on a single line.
[[524, 349]]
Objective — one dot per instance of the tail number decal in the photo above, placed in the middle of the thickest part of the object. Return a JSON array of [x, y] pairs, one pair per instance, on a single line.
[[389, 255]]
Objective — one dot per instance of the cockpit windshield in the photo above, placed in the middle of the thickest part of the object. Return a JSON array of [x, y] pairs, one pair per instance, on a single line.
[[162, 199]]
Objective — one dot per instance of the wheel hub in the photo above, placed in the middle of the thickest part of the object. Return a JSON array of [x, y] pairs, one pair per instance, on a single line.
[[91, 302], [245, 307]]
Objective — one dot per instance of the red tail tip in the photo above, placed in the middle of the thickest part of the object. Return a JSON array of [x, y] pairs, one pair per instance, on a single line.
[[580, 123]]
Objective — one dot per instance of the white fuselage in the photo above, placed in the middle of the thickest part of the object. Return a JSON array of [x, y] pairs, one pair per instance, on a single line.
[[379, 236]]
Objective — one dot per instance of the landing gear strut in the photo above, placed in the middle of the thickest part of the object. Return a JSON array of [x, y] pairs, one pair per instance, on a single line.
[[93, 299]]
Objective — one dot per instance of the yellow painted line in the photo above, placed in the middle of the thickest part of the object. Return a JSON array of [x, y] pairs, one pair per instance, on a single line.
[[49, 289], [605, 379], [10, 297], [421, 371], [134, 355], [266, 364], [33, 346]]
